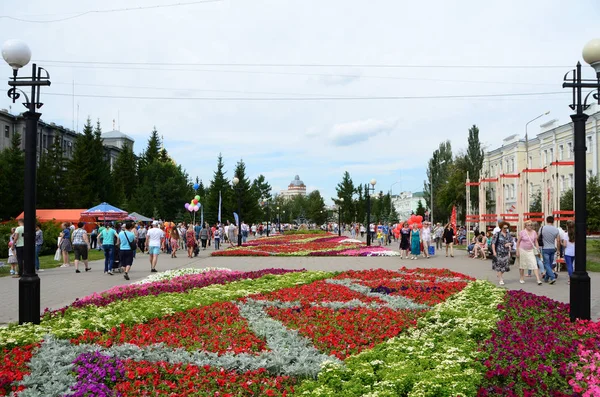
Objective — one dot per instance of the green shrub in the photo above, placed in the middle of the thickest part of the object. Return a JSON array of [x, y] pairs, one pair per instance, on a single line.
[[311, 231]]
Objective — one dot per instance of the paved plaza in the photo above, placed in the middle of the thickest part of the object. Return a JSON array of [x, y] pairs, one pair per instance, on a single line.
[[61, 286]]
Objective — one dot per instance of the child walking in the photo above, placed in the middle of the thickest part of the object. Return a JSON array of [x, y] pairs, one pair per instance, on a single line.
[[12, 260]]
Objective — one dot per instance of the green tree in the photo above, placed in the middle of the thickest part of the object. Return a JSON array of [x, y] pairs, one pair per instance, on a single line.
[[315, 207], [88, 173], [474, 160], [420, 209], [124, 176], [593, 204], [219, 183], [536, 203], [152, 151], [345, 189], [452, 193], [566, 200], [248, 197], [12, 171], [438, 171], [51, 177]]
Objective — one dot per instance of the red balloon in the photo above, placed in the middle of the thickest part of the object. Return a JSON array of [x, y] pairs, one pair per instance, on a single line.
[[419, 218], [195, 201], [419, 225]]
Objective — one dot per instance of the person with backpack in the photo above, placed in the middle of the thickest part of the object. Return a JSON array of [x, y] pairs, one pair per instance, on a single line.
[[108, 238], [127, 248], [549, 239]]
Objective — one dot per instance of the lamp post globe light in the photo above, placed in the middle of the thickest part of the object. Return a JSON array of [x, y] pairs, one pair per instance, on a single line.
[[340, 216], [580, 293], [370, 189], [235, 181], [17, 54]]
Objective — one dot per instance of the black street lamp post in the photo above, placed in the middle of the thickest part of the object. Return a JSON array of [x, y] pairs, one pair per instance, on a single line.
[[340, 216], [369, 190], [238, 190], [267, 201], [580, 293], [278, 220], [17, 55]]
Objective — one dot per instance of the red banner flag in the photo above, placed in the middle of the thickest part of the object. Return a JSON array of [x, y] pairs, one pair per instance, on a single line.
[[453, 218]]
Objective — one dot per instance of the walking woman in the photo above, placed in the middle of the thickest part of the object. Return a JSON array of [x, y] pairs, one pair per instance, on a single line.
[[415, 242], [65, 244], [204, 233], [448, 237], [501, 245], [569, 244], [174, 241], [527, 249], [404, 240], [190, 240]]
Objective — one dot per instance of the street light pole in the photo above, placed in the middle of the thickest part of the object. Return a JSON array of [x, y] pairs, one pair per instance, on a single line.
[[369, 189], [17, 55], [238, 190], [580, 290], [527, 160]]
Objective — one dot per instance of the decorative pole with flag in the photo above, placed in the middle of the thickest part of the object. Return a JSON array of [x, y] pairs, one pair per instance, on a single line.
[[453, 218]]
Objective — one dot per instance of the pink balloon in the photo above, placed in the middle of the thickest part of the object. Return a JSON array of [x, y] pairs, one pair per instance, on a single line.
[[196, 208]]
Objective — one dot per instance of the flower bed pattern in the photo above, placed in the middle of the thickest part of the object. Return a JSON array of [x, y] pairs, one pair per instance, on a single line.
[[445, 335], [306, 245]]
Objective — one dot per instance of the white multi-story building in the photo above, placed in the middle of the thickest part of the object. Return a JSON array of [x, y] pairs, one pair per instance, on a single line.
[[406, 203], [518, 170]]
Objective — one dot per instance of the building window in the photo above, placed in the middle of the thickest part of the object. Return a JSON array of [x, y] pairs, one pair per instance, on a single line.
[[569, 149], [551, 155], [512, 165], [561, 149], [531, 189], [562, 184], [6, 131], [545, 157], [571, 181], [589, 174], [589, 144], [530, 162]]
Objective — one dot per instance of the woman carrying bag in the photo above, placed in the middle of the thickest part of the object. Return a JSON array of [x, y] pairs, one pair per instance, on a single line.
[[527, 251]]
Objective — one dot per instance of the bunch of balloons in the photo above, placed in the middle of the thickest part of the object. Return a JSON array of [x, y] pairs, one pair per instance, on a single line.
[[418, 219], [194, 204]]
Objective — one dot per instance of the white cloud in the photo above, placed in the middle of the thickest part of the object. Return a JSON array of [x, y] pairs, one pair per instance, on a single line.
[[358, 131]]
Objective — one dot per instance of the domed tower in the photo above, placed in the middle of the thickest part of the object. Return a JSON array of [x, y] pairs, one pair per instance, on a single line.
[[295, 188]]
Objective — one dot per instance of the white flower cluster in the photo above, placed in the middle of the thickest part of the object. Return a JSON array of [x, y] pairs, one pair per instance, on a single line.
[[169, 274]]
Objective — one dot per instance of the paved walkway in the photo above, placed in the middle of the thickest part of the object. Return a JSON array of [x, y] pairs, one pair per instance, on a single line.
[[61, 286]]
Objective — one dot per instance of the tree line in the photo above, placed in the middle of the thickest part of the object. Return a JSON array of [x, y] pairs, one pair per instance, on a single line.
[[151, 184]]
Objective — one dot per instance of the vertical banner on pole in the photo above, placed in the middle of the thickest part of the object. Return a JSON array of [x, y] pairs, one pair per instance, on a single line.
[[219, 216], [202, 216]]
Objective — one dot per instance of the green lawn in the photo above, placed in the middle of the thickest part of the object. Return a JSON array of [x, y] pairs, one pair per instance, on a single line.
[[593, 255], [48, 262]]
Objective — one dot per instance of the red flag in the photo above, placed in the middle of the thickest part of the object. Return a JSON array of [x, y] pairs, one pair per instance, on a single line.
[[453, 218]]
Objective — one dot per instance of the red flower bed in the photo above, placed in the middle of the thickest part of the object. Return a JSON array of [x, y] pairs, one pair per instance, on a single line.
[[13, 367], [318, 292], [347, 331], [143, 378], [239, 252], [217, 328], [419, 285]]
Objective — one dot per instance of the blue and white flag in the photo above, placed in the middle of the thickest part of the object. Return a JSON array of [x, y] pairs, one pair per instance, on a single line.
[[237, 218], [202, 216], [219, 217]]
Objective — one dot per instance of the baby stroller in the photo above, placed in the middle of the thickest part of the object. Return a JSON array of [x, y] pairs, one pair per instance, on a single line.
[[117, 262]]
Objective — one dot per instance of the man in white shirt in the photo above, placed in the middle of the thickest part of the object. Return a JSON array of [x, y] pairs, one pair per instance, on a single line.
[[155, 240]]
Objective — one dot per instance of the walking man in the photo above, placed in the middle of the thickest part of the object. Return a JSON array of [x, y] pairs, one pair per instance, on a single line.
[[155, 240], [549, 236], [19, 240], [108, 239]]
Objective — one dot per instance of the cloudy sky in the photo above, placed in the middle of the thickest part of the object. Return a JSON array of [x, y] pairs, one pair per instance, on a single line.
[[307, 87]]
